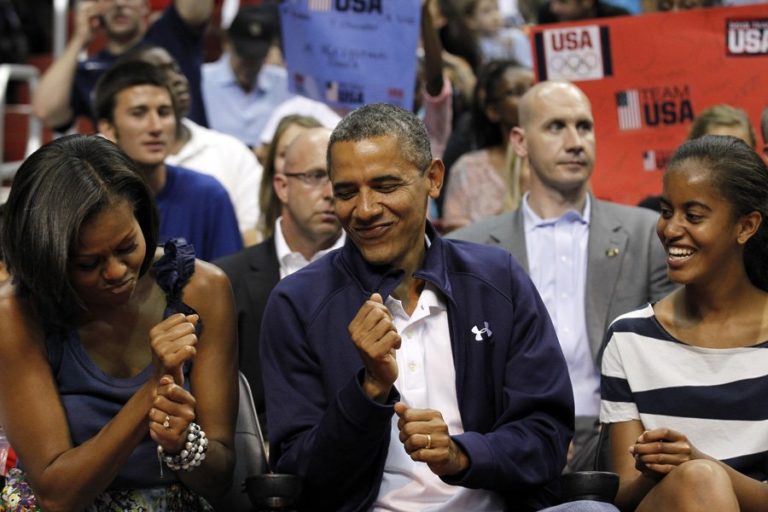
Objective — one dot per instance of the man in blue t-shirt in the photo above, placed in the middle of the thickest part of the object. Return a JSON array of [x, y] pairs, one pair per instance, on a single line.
[[133, 104], [65, 90]]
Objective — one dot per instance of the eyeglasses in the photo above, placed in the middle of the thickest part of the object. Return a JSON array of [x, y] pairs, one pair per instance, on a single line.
[[311, 178]]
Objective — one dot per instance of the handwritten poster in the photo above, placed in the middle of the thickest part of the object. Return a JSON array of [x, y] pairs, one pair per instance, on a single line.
[[349, 53]]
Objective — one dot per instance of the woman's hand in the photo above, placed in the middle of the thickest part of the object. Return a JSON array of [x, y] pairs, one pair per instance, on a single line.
[[173, 343], [659, 451], [172, 412]]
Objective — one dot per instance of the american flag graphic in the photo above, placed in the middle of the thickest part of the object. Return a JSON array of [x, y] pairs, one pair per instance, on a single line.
[[628, 108], [649, 160], [320, 5]]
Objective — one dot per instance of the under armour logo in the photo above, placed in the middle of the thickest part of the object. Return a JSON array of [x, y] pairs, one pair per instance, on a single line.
[[479, 332]]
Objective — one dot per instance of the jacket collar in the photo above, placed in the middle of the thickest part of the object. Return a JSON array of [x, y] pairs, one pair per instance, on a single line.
[[385, 279]]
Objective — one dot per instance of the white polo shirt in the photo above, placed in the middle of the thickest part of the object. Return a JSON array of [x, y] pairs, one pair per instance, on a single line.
[[291, 261], [426, 380]]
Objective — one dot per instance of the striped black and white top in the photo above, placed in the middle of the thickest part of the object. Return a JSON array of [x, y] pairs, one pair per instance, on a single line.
[[718, 398]]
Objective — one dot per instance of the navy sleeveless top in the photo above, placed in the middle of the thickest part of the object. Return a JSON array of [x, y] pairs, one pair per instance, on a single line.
[[91, 397]]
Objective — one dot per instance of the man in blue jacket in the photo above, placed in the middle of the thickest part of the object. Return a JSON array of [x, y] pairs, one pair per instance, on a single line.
[[404, 371]]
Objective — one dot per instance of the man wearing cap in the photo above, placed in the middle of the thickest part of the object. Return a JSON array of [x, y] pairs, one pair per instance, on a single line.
[[241, 91]]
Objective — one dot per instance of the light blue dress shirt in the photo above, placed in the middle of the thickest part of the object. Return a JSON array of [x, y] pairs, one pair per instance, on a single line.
[[236, 112], [557, 260]]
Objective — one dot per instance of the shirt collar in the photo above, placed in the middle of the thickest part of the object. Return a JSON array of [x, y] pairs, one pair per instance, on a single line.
[[225, 77], [284, 252], [223, 74], [533, 221], [429, 298], [281, 246], [197, 143], [384, 279]]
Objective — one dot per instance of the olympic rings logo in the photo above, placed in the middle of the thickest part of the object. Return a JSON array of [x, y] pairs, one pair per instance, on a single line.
[[574, 64]]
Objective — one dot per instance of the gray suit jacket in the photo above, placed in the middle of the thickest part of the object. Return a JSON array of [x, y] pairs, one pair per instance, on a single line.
[[626, 264]]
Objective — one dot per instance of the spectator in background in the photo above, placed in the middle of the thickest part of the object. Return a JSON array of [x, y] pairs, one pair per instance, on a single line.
[[554, 11], [294, 106], [491, 179], [208, 151], [433, 99], [716, 120], [496, 41], [135, 108], [461, 56], [723, 120], [590, 260], [306, 229], [65, 89], [240, 91], [287, 130]]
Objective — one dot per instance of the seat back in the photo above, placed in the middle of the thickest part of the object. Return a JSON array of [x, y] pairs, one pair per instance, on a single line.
[[250, 458], [603, 451]]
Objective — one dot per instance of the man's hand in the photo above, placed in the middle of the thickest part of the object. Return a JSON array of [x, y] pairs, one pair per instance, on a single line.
[[88, 20], [376, 338], [425, 437]]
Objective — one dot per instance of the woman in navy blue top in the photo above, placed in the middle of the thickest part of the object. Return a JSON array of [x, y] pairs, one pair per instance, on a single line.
[[113, 392]]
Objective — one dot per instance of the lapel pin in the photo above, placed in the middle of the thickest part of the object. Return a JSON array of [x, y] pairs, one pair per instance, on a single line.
[[612, 252]]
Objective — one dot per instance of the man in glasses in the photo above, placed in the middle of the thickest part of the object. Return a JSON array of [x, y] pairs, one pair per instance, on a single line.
[[306, 229]]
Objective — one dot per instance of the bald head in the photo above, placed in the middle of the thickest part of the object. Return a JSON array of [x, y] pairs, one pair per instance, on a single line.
[[556, 134], [548, 93], [304, 149], [309, 223]]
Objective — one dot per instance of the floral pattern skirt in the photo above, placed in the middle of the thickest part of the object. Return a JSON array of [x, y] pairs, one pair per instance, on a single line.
[[17, 496]]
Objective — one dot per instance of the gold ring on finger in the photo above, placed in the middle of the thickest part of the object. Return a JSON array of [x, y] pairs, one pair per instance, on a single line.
[[429, 442]]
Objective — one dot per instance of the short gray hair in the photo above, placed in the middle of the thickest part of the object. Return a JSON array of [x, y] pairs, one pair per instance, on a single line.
[[382, 119]]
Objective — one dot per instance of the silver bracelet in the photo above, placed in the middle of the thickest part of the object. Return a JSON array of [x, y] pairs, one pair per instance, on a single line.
[[193, 453]]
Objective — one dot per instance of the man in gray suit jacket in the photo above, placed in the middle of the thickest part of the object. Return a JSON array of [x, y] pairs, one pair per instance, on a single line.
[[306, 229], [590, 260]]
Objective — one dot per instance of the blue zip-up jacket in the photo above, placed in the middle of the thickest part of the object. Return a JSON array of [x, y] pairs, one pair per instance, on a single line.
[[513, 389]]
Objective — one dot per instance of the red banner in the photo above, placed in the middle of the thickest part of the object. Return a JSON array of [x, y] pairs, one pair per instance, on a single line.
[[648, 76]]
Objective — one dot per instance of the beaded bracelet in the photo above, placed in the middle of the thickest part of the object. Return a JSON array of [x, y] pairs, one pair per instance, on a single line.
[[193, 453]]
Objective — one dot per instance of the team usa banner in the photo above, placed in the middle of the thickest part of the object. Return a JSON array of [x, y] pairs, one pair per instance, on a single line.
[[648, 76]]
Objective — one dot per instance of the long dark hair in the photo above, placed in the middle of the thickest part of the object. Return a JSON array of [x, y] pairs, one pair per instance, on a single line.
[[55, 191], [488, 92], [741, 176]]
